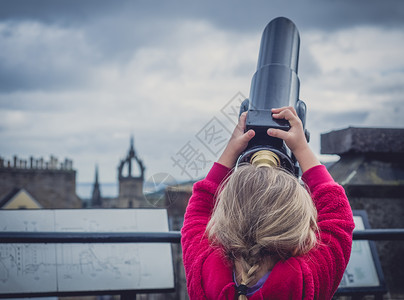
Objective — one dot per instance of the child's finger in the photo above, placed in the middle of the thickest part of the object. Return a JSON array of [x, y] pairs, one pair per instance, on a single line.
[[248, 135], [284, 114], [278, 110], [242, 120], [281, 134], [288, 115]]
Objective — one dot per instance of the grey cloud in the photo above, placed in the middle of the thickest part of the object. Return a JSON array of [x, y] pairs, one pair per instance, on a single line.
[[236, 15], [48, 11], [70, 61], [114, 30], [338, 120], [36, 57], [393, 88], [39, 78], [390, 114], [315, 14], [23, 103], [308, 66]]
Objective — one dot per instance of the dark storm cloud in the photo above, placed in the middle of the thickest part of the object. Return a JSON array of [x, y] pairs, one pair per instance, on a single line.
[[115, 29], [49, 11], [37, 57], [39, 77], [57, 45], [314, 14], [231, 14]]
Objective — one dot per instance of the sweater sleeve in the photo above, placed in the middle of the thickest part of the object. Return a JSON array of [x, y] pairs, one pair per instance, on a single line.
[[197, 215], [327, 262]]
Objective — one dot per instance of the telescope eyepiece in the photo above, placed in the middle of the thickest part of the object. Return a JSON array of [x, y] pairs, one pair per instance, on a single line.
[[265, 158]]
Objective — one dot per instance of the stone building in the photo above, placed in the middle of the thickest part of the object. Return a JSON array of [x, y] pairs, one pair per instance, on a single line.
[[130, 180], [175, 198], [176, 202], [50, 183], [131, 184], [371, 169], [19, 198]]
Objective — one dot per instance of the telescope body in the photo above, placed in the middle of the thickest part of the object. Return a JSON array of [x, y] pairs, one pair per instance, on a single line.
[[275, 84]]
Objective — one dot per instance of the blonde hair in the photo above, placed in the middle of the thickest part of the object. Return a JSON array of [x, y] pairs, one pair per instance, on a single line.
[[262, 212]]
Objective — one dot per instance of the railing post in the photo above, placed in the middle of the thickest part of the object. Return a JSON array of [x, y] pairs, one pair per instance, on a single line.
[[128, 295]]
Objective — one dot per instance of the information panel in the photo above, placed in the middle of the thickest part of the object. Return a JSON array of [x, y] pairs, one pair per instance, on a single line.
[[363, 272], [51, 268]]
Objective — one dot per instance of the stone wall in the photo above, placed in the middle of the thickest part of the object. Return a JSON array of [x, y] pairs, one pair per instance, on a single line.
[[371, 170], [51, 184], [386, 213]]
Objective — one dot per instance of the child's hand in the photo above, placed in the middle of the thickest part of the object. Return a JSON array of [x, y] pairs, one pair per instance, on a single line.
[[294, 138], [237, 143]]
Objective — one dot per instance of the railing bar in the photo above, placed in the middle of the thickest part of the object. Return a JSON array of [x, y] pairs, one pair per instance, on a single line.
[[379, 234], [90, 237], [152, 237]]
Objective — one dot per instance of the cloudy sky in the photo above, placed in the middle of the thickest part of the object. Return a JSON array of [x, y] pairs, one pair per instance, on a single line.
[[78, 78]]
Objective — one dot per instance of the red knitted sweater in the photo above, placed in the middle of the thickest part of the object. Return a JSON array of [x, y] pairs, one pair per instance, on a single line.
[[315, 275]]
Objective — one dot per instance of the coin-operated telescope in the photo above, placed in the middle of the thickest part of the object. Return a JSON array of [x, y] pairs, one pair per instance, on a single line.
[[275, 84]]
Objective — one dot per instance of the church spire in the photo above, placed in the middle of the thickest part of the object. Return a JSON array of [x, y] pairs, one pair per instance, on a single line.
[[96, 199], [96, 175], [132, 147]]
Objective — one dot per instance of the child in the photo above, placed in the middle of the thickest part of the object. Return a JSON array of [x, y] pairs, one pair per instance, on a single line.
[[256, 233]]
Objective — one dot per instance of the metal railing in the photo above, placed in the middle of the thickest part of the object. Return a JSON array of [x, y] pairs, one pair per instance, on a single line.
[[153, 237], [90, 237]]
